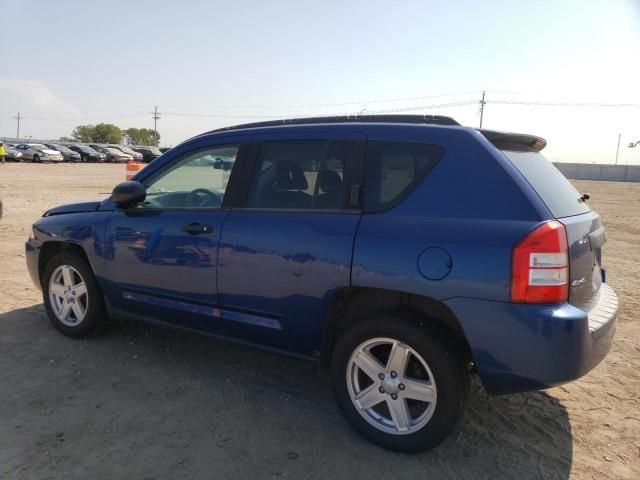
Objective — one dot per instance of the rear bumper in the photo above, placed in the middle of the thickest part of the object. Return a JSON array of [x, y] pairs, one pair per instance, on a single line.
[[518, 348]]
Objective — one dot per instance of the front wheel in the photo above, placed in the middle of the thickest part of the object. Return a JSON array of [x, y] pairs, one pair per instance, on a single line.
[[36, 159], [72, 296], [400, 385]]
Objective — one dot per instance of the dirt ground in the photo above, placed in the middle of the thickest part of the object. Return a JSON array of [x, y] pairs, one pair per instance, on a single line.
[[147, 403]]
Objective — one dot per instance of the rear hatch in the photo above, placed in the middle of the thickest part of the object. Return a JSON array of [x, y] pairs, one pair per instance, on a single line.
[[585, 233]]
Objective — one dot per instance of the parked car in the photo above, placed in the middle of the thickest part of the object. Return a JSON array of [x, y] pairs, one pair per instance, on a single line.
[[12, 154], [417, 253], [149, 154], [37, 152], [88, 154], [164, 149], [222, 163], [67, 154], [113, 155], [135, 155]]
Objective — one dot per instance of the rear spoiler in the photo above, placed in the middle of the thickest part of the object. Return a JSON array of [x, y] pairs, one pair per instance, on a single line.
[[517, 142]]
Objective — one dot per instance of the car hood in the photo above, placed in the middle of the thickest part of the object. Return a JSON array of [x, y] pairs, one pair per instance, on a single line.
[[73, 208]]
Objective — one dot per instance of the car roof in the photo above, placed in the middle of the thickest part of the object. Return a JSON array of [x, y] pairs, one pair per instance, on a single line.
[[501, 140]]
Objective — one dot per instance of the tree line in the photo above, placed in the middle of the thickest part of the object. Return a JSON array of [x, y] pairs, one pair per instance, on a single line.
[[109, 133]]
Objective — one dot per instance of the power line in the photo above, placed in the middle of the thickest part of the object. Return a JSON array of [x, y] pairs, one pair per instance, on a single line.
[[341, 104], [565, 104], [369, 112]]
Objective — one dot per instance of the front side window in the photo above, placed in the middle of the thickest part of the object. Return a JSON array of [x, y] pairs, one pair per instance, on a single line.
[[299, 174], [393, 169], [196, 180]]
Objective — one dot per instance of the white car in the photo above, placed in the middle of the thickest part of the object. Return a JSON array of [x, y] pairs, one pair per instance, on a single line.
[[36, 152], [136, 155]]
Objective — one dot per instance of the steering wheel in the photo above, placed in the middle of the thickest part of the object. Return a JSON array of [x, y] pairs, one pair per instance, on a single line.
[[200, 197]]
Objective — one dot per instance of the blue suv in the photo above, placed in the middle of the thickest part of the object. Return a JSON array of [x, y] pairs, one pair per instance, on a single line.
[[403, 253]]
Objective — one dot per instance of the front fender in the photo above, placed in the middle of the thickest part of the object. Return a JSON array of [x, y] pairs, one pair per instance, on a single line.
[[85, 230]]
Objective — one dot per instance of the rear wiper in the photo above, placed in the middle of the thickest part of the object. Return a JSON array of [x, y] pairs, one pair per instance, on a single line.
[[584, 197]]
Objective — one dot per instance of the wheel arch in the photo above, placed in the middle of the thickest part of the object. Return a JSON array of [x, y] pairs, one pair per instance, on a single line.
[[350, 305], [52, 248]]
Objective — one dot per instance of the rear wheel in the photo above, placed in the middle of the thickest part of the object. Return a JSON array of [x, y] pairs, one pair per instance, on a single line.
[[72, 297], [400, 385], [36, 159]]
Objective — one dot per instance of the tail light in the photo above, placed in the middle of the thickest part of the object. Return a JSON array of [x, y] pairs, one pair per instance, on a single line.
[[540, 266]]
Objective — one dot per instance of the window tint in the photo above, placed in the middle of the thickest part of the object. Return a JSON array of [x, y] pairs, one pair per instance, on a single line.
[[197, 180], [554, 189], [393, 169], [300, 174]]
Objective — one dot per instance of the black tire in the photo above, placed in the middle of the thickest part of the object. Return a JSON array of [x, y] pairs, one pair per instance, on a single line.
[[444, 359], [36, 159], [95, 319]]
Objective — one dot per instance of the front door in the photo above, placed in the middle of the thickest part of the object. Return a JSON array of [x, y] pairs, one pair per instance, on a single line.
[[162, 254], [289, 247]]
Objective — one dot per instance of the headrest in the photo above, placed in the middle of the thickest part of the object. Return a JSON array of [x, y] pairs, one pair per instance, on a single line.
[[289, 176], [329, 181]]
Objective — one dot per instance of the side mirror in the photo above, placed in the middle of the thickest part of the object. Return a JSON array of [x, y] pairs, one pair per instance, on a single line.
[[126, 194]]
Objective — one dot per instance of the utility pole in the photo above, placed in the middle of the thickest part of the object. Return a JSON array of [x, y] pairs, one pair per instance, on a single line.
[[618, 149], [156, 117], [482, 104], [18, 132]]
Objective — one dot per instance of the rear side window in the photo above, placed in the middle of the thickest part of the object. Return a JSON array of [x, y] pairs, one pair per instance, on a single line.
[[300, 174], [560, 197], [393, 169]]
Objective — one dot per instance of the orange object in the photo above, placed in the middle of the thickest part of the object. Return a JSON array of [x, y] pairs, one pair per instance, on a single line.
[[132, 169]]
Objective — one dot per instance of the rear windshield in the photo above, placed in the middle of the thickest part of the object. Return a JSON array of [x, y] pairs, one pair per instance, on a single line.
[[562, 199]]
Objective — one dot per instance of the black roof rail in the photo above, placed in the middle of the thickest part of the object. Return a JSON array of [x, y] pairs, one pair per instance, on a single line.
[[417, 119], [517, 142]]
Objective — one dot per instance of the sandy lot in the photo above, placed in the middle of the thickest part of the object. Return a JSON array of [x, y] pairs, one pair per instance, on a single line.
[[148, 403]]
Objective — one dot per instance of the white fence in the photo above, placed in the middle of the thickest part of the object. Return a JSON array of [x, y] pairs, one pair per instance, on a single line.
[[594, 171]]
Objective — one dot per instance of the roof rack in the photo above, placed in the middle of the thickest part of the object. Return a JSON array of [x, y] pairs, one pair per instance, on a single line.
[[417, 119]]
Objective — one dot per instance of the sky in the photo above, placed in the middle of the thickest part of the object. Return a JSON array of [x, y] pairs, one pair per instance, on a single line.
[[208, 64]]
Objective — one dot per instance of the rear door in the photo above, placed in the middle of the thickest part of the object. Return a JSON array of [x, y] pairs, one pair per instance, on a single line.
[[289, 245], [585, 233]]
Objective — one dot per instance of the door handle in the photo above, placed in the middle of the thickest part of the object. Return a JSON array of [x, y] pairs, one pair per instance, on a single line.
[[197, 228]]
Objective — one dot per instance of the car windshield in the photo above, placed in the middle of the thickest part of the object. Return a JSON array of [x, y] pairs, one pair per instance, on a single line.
[[127, 150], [87, 149], [61, 148]]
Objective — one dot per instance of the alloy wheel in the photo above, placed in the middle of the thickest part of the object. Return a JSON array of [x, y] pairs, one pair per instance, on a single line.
[[391, 386], [68, 295]]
